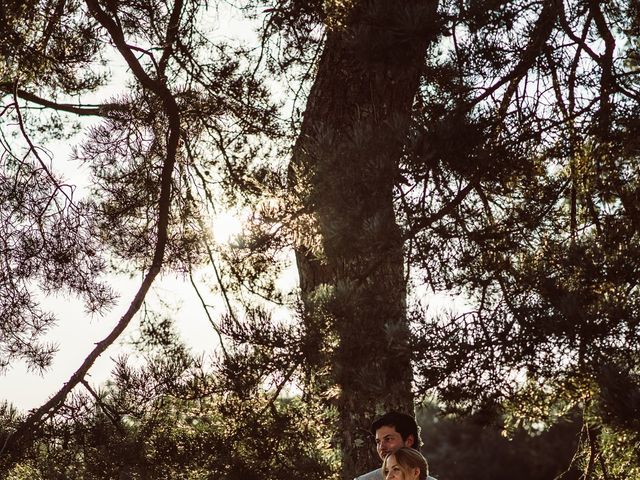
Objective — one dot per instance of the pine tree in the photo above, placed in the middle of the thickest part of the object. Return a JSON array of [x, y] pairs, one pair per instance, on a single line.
[[344, 169]]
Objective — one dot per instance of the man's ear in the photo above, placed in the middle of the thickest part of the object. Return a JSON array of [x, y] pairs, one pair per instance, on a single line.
[[410, 441], [416, 472]]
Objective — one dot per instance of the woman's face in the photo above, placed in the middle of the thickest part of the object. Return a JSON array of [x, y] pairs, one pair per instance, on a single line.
[[393, 471]]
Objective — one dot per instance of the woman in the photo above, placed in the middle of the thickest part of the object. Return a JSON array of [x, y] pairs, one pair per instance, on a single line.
[[405, 464]]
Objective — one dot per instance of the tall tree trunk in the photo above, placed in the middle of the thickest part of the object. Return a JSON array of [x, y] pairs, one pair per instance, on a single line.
[[344, 168]]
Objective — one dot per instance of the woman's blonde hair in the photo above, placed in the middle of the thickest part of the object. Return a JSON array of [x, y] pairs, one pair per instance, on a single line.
[[407, 459]]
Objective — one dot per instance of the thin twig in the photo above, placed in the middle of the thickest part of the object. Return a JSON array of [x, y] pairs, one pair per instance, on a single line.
[[32, 147], [205, 307]]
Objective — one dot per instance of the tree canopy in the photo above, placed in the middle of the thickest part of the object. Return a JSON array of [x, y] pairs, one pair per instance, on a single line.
[[483, 148]]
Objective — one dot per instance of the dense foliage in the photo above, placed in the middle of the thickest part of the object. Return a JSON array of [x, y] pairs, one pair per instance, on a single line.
[[504, 168], [540, 231]]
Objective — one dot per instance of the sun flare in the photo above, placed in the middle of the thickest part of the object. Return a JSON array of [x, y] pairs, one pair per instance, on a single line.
[[225, 227]]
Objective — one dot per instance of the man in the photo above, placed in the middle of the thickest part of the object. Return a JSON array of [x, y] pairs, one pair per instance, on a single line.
[[392, 431]]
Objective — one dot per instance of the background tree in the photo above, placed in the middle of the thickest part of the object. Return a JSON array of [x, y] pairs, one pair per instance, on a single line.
[[540, 230], [477, 446], [152, 178], [343, 169]]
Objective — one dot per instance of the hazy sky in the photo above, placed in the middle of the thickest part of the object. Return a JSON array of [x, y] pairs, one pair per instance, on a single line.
[[77, 332]]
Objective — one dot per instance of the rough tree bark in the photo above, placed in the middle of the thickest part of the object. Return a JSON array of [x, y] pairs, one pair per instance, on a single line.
[[344, 169]]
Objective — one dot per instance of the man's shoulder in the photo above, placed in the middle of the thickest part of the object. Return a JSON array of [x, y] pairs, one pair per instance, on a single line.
[[372, 475], [377, 475]]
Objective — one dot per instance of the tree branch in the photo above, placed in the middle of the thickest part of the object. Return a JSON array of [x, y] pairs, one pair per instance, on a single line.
[[106, 409], [443, 212], [205, 307], [32, 148], [172, 33], [23, 435], [539, 36], [606, 63], [103, 110]]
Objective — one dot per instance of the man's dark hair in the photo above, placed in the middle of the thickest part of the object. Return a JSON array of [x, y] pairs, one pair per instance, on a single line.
[[404, 424]]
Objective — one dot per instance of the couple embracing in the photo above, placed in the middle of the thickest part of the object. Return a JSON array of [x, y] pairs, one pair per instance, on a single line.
[[398, 444]]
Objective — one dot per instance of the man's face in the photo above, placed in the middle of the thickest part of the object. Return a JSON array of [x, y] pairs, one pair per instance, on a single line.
[[388, 440]]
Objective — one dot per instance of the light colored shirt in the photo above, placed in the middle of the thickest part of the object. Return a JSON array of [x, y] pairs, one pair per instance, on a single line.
[[377, 475]]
